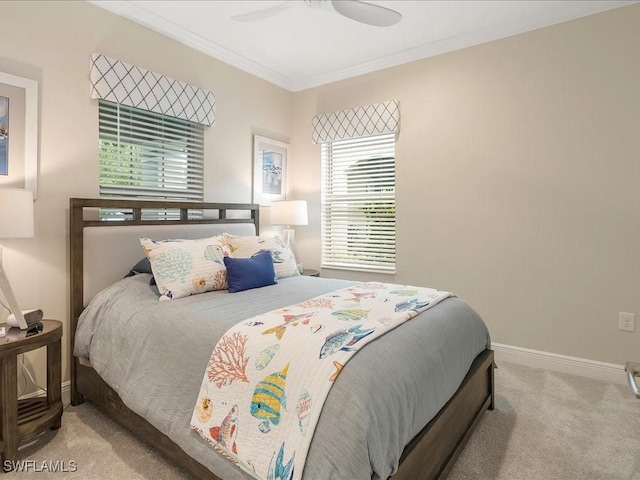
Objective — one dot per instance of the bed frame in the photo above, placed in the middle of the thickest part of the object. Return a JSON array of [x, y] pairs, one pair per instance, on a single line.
[[430, 455]]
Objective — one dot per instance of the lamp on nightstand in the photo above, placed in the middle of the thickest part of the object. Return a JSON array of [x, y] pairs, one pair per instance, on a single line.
[[289, 213], [16, 221]]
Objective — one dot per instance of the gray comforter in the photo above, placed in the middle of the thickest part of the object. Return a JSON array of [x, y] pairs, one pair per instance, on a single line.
[[154, 354]]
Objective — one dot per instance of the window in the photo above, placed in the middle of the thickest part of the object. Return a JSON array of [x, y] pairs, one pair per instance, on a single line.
[[148, 155], [358, 204]]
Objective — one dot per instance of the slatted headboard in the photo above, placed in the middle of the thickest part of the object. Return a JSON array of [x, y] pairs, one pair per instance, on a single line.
[[103, 250]]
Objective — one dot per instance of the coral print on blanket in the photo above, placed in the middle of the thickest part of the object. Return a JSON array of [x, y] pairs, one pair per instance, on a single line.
[[268, 377]]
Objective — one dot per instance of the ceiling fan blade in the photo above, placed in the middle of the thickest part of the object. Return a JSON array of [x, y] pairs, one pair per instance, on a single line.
[[262, 14], [367, 13]]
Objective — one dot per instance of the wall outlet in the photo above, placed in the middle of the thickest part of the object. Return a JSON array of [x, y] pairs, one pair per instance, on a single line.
[[627, 321]]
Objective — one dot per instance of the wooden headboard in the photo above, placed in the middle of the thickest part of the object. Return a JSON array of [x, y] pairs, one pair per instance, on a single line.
[[86, 227]]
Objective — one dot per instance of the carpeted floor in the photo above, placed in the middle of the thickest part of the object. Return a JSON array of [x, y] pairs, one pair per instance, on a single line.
[[554, 426], [545, 425]]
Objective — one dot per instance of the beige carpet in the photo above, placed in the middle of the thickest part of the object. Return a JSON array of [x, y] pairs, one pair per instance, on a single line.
[[549, 425], [546, 425]]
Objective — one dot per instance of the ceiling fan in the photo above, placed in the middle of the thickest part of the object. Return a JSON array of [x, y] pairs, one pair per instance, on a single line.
[[357, 10]]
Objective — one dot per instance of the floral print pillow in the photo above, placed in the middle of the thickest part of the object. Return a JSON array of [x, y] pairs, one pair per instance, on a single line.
[[187, 267], [283, 260]]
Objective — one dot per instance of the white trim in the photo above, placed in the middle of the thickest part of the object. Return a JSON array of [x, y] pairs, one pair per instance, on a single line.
[[169, 29], [165, 27], [608, 372], [583, 367], [66, 394], [454, 43]]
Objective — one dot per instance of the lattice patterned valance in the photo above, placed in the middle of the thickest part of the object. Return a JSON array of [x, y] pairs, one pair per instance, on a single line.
[[127, 84], [363, 121]]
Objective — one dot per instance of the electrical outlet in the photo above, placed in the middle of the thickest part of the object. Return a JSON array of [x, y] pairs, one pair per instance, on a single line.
[[627, 321]]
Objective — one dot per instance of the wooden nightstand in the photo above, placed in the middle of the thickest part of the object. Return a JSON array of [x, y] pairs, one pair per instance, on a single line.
[[23, 420], [310, 273]]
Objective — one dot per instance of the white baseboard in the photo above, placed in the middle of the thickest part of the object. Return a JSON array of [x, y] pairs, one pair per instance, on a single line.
[[609, 372], [66, 394]]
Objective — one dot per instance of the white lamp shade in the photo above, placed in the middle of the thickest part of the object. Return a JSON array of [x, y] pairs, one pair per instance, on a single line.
[[16, 213], [289, 212]]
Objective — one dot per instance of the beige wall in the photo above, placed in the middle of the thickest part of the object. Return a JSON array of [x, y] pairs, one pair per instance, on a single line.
[[517, 165], [51, 42], [518, 168]]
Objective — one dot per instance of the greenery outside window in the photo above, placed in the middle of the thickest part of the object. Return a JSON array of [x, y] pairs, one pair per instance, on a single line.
[[151, 156], [358, 204]]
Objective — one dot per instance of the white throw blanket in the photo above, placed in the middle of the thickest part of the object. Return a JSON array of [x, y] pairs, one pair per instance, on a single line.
[[268, 377]]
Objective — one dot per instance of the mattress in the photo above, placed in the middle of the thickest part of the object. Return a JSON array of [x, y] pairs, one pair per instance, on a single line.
[[154, 355]]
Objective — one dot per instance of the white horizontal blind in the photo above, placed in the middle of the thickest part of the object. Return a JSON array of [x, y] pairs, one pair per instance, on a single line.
[[148, 155], [358, 204]]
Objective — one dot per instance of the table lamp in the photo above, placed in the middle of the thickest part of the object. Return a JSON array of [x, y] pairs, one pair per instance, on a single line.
[[16, 221], [289, 213]]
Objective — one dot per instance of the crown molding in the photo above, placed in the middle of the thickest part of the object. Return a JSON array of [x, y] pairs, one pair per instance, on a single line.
[[165, 27], [454, 43], [169, 29]]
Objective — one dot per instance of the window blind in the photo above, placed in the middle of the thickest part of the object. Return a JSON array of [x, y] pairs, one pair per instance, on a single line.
[[148, 155], [358, 204]]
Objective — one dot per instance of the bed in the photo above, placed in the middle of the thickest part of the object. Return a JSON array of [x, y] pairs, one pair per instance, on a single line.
[[115, 346]]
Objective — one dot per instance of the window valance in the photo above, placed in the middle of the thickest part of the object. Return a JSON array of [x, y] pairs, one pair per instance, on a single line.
[[126, 84], [375, 119]]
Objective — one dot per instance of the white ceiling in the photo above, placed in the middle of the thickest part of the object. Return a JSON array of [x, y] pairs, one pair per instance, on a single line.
[[303, 47]]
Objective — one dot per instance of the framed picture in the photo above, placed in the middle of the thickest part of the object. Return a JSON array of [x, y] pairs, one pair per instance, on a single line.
[[4, 135], [19, 132], [269, 170]]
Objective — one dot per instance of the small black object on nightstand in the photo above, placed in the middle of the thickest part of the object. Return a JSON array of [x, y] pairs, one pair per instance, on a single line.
[[307, 272]]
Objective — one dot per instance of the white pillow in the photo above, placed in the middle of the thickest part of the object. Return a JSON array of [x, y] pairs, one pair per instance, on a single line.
[[187, 267], [283, 260]]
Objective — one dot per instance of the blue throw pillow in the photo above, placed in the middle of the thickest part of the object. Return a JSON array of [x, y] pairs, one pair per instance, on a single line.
[[143, 266], [246, 273]]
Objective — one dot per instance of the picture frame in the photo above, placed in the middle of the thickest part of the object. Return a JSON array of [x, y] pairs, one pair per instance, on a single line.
[[4, 135], [27, 131], [270, 158]]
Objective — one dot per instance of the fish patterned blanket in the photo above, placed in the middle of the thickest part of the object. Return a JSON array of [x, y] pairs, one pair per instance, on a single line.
[[268, 377]]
